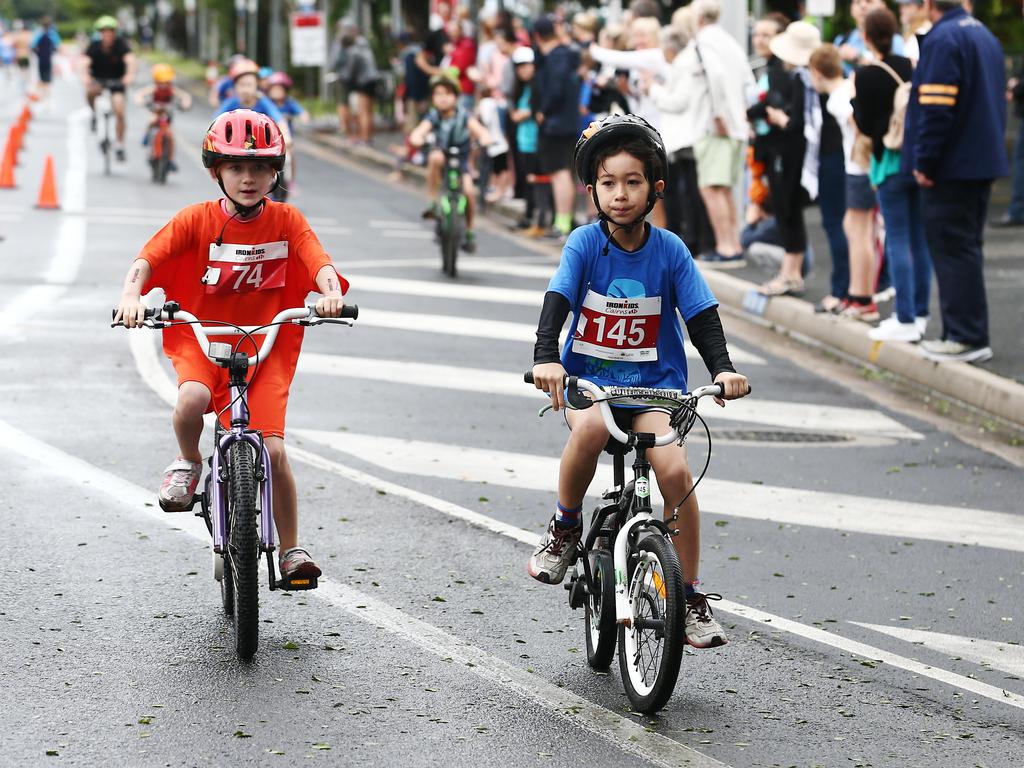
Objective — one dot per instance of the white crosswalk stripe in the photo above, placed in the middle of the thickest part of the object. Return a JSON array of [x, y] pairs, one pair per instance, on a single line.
[[775, 413], [860, 514], [1007, 657], [500, 330]]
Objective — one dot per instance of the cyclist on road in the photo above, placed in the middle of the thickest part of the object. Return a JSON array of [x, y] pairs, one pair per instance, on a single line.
[[451, 125], [618, 261], [162, 95], [240, 259], [246, 79], [109, 64]]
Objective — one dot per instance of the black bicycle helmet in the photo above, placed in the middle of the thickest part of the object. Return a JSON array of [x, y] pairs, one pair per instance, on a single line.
[[618, 129]]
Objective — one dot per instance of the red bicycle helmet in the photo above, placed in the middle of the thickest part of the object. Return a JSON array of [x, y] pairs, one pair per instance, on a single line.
[[242, 134], [279, 78]]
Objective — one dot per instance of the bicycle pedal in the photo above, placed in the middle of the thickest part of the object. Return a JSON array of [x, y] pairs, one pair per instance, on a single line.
[[297, 585]]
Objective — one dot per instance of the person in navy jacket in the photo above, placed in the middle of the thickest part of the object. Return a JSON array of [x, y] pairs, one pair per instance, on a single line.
[[955, 147]]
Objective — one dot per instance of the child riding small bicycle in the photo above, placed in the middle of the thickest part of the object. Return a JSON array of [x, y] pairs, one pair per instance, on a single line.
[[239, 260], [623, 280], [160, 97], [451, 125]]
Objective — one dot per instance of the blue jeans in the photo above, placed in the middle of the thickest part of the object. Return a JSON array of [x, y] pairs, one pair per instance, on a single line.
[[832, 201], [906, 249], [1016, 211]]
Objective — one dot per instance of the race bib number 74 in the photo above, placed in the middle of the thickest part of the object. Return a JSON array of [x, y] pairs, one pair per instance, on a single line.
[[618, 329], [246, 268]]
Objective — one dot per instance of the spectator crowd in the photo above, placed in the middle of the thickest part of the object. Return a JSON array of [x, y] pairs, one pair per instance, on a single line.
[[895, 131]]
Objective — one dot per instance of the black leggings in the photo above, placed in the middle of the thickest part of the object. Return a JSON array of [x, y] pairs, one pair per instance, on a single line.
[[788, 199]]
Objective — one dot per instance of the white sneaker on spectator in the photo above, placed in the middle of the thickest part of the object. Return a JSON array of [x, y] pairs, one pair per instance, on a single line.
[[948, 351], [921, 322], [891, 329]]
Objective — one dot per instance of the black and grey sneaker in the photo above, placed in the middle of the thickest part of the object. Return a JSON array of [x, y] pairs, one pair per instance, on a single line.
[[555, 553]]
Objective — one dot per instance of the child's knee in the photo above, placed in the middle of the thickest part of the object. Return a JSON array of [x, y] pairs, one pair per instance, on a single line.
[[193, 399], [589, 436], [675, 475], [277, 453]]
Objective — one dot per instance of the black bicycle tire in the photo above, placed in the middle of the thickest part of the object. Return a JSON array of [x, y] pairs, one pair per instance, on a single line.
[[163, 162], [602, 570], [674, 636], [227, 586], [244, 548], [444, 236], [455, 234]]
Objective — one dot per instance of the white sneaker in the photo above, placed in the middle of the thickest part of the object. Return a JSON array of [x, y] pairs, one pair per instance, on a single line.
[[891, 329], [702, 629], [947, 351], [181, 479], [555, 553], [922, 323]]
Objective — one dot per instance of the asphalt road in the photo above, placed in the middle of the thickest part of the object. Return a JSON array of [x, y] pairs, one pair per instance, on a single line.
[[868, 550]]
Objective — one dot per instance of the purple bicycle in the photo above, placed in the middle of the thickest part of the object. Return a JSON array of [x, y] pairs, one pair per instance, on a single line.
[[237, 490]]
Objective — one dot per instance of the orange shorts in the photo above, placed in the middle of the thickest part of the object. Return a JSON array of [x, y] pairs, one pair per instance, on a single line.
[[268, 388]]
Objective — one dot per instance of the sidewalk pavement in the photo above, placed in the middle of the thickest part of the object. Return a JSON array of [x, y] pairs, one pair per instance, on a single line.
[[996, 387]]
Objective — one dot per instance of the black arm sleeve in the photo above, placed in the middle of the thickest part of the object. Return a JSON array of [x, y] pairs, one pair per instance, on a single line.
[[708, 337], [552, 318]]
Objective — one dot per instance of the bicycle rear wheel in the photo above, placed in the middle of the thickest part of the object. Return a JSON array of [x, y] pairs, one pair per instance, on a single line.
[[244, 549], [651, 649], [600, 610]]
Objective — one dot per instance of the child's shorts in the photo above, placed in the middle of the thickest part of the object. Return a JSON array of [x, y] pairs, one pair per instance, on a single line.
[[267, 392]]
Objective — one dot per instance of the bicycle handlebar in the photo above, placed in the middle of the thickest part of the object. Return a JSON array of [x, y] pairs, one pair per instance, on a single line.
[[631, 395], [171, 313]]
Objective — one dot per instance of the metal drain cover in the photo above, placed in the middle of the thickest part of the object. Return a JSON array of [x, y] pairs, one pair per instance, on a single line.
[[777, 436]]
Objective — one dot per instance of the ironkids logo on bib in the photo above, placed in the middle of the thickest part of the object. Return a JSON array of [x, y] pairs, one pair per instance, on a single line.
[[618, 329], [246, 268]]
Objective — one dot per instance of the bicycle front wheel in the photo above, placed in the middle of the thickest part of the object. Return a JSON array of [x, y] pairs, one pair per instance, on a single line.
[[164, 160], [651, 649], [244, 549]]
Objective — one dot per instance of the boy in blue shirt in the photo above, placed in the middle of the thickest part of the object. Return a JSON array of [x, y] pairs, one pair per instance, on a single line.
[[623, 164], [246, 77]]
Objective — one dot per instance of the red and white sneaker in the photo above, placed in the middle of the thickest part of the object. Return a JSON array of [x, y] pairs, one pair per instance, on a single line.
[[181, 479], [296, 563]]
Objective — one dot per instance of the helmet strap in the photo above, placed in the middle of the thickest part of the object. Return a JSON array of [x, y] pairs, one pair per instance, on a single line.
[[240, 210], [652, 198]]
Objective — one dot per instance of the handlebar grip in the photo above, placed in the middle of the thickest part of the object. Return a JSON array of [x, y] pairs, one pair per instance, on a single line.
[[350, 311], [528, 377]]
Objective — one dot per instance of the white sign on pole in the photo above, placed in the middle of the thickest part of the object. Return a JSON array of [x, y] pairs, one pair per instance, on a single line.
[[308, 39], [821, 8]]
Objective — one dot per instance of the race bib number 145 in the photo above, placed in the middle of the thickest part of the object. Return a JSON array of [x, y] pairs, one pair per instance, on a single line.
[[618, 329], [245, 268]]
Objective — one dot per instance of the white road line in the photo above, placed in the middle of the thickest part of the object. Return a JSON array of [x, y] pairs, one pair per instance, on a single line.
[[467, 265], [449, 290], [835, 511], [501, 330], [871, 652], [776, 413], [619, 732], [330, 230], [1008, 657], [406, 234], [144, 353], [394, 224], [69, 245]]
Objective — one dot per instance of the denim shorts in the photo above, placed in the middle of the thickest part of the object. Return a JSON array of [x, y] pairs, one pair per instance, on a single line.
[[860, 195]]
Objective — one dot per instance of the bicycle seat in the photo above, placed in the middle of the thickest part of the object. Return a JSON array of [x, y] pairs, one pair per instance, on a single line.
[[614, 448]]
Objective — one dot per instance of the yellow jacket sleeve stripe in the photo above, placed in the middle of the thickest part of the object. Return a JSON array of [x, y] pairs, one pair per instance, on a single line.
[[945, 101], [934, 88]]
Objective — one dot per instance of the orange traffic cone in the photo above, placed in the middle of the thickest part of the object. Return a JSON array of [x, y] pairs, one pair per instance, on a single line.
[[26, 114], [48, 189], [7, 168], [17, 135]]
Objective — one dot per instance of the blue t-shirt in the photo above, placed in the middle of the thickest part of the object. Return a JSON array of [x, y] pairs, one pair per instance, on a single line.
[[291, 108], [263, 105], [855, 39], [225, 88], [624, 326]]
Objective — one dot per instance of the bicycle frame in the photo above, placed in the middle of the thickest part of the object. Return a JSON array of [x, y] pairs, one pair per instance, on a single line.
[[631, 506], [454, 199]]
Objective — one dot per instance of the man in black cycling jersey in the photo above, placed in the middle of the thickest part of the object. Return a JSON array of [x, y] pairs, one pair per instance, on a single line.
[[109, 65]]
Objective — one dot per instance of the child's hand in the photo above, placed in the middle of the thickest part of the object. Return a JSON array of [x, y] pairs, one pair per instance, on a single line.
[[550, 377], [329, 306], [130, 311], [734, 386]]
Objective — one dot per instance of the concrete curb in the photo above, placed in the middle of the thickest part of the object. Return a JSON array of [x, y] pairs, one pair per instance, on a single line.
[[976, 387]]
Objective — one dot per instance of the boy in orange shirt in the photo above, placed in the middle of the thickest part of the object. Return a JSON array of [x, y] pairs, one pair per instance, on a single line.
[[241, 259]]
